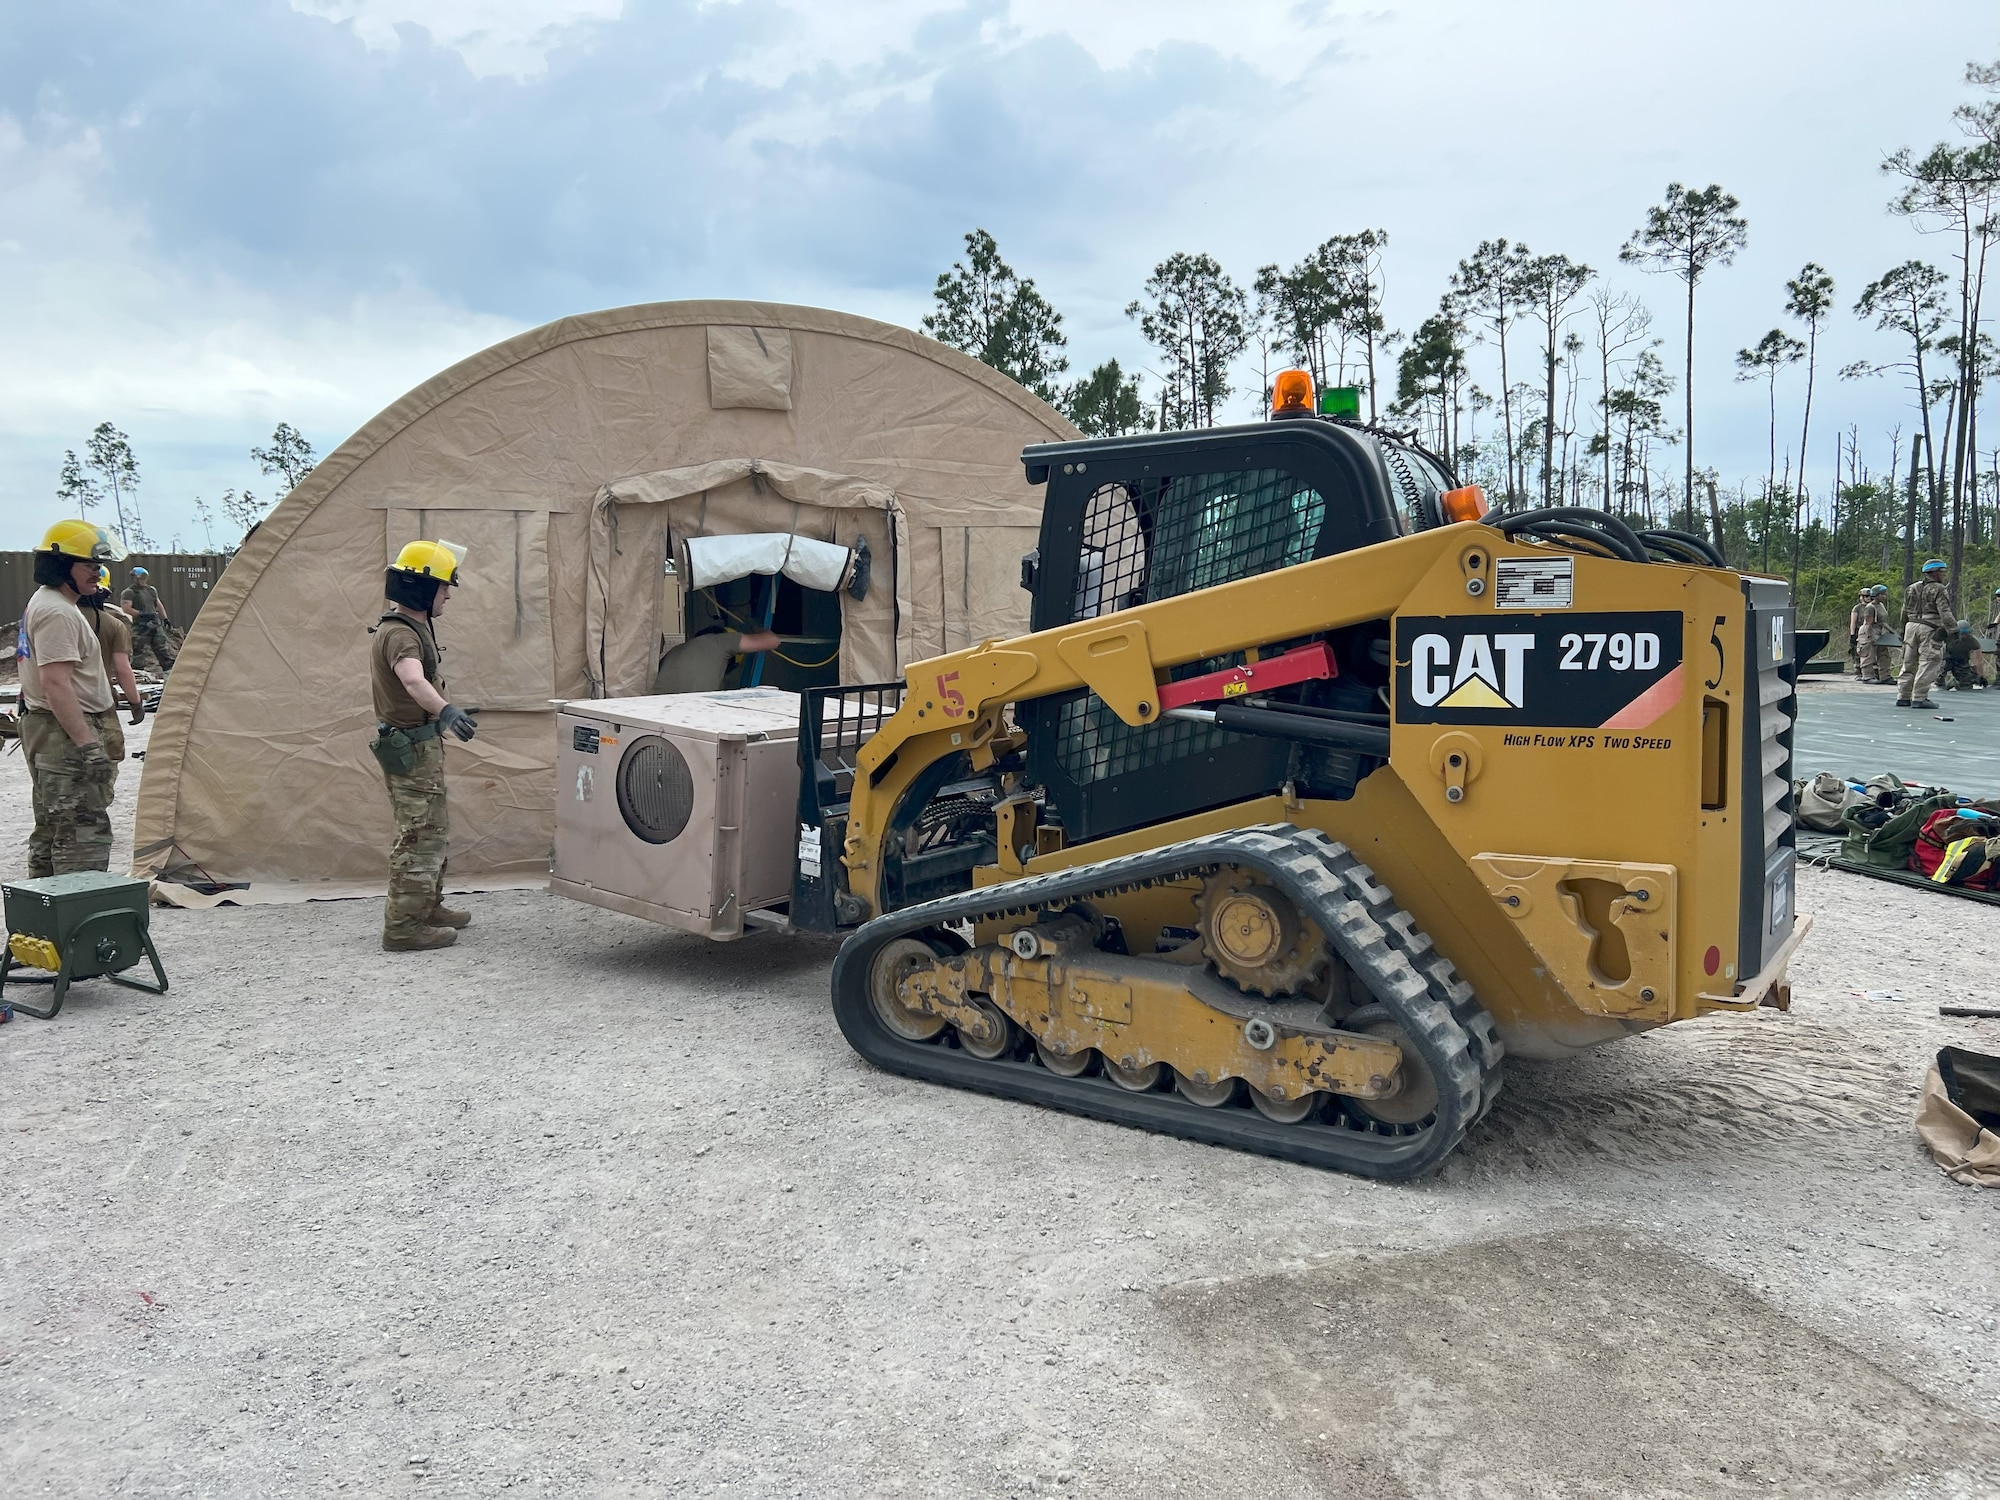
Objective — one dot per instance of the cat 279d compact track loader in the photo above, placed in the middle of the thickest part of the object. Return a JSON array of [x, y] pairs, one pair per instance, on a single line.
[[1313, 789]]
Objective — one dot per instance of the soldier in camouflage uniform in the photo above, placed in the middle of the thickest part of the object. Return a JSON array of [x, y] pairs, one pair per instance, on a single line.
[[1866, 622], [1927, 620], [66, 707], [150, 625], [411, 715], [114, 638], [1963, 667]]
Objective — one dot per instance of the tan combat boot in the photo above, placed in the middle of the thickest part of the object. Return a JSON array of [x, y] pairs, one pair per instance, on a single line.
[[445, 916], [418, 941]]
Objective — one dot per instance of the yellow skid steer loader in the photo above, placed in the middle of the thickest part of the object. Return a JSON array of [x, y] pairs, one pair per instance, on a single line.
[[1314, 789]]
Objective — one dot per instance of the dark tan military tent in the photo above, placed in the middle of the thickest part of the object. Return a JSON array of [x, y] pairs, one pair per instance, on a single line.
[[571, 461]]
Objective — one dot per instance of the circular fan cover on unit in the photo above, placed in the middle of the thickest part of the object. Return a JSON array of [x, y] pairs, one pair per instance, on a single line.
[[655, 790]]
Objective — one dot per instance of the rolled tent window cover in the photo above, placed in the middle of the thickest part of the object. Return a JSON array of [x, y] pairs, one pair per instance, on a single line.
[[808, 563]]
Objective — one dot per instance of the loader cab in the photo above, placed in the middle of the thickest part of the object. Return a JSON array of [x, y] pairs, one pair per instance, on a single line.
[[1134, 520]]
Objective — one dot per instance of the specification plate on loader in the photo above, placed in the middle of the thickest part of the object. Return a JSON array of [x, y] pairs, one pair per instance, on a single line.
[[1534, 582]]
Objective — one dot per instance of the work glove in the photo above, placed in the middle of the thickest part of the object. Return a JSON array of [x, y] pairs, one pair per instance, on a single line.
[[138, 714], [459, 721], [94, 761]]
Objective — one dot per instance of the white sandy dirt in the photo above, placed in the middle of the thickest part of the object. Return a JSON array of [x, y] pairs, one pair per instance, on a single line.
[[586, 1207]]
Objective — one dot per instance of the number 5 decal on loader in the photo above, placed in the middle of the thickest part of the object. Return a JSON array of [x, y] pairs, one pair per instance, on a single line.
[[950, 699]]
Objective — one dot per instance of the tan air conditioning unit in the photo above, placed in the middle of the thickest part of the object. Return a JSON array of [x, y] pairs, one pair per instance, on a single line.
[[680, 809]]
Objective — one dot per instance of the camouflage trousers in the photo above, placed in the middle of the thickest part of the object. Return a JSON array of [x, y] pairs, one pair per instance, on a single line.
[[150, 638], [72, 803], [1868, 661], [1923, 660], [416, 859]]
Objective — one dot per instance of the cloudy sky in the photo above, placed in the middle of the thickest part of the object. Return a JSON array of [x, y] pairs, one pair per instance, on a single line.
[[220, 214]]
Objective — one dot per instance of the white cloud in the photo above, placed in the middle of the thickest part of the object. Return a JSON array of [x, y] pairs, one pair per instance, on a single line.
[[497, 38], [215, 217], [194, 366]]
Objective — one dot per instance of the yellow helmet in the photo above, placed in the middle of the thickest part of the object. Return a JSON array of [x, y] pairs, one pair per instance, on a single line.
[[439, 560], [103, 579], [81, 542]]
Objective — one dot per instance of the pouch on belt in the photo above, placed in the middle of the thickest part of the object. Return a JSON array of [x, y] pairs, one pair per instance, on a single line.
[[396, 748]]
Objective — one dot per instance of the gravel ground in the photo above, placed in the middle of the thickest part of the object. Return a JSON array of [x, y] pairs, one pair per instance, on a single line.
[[583, 1206]]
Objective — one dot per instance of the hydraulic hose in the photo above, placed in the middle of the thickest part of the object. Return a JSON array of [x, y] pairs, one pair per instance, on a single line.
[[1622, 539], [1684, 546]]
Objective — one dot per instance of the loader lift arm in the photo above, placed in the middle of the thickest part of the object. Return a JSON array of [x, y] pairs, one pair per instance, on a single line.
[[952, 704]]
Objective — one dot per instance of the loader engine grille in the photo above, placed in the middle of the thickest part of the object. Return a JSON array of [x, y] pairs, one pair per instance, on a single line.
[[655, 790], [1769, 839]]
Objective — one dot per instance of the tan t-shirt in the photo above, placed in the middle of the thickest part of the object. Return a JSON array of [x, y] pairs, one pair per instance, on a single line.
[[114, 634], [143, 599], [53, 629], [396, 640]]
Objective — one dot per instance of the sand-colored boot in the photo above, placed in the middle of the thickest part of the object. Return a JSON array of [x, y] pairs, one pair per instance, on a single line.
[[418, 941]]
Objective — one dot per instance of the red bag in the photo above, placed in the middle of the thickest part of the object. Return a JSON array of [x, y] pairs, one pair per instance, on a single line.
[[1944, 828]]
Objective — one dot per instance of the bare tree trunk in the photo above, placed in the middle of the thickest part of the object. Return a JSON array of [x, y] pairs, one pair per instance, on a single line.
[[1924, 413], [1935, 534], [1604, 406], [1687, 434], [1833, 536], [1506, 399], [1968, 362], [1805, 433], [1570, 491], [1771, 474], [1549, 417], [1917, 445]]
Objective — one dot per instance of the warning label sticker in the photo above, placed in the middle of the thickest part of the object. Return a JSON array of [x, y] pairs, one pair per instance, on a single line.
[[1533, 582]]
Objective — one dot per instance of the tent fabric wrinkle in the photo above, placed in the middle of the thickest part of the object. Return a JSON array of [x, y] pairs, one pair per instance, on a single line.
[[576, 461]]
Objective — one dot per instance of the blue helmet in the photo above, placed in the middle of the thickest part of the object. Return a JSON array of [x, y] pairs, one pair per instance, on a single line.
[[1934, 566]]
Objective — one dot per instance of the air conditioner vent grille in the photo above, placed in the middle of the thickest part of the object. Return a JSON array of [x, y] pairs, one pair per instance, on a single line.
[[655, 790]]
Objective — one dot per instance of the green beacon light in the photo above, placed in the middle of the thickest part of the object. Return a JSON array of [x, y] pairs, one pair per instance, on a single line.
[[1340, 401]]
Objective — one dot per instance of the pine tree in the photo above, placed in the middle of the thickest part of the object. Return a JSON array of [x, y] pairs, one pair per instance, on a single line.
[[1197, 323], [989, 312], [1688, 235], [1106, 403], [109, 452], [289, 456]]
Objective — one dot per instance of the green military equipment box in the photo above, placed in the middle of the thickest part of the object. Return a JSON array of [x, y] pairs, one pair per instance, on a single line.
[[83, 926]]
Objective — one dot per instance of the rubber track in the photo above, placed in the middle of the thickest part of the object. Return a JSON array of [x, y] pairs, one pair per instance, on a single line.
[[1376, 938]]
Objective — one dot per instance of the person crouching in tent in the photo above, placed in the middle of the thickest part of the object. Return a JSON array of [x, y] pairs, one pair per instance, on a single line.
[[411, 714]]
